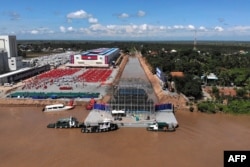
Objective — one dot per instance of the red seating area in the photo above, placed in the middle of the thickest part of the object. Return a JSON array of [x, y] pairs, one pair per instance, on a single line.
[[63, 77], [95, 75], [48, 78], [57, 73]]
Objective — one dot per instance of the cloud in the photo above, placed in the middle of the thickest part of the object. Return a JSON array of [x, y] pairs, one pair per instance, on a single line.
[[132, 31], [219, 29], [70, 29], [202, 28], [34, 31], [93, 20], [191, 27], [141, 13], [37, 31], [182, 27], [111, 27], [123, 15], [143, 27], [178, 27], [62, 29], [97, 27], [80, 14], [240, 28], [162, 28], [138, 30]]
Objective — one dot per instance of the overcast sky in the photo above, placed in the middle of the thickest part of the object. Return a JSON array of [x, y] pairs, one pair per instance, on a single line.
[[126, 19]]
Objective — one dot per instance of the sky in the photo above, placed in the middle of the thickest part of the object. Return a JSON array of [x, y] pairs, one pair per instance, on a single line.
[[126, 19]]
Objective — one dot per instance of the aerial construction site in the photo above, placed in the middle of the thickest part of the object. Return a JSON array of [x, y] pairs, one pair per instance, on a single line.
[[125, 91]]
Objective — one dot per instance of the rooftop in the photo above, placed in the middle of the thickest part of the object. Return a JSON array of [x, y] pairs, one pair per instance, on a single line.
[[99, 51], [177, 74]]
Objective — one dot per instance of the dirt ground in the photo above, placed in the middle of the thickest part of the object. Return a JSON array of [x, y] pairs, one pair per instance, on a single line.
[[227, 91]]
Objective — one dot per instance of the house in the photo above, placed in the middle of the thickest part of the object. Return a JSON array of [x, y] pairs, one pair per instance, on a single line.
[[177, 74], [209, 79]]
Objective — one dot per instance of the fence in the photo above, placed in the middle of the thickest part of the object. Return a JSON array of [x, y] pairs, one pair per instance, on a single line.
[[52, 95]]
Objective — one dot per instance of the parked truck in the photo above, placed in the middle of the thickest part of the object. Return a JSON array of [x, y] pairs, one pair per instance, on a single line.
[[102, 126], [161, 126], [70, 122]]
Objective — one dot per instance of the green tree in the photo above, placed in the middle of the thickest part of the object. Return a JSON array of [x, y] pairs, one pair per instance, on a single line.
[[188, 86], [207, 107]]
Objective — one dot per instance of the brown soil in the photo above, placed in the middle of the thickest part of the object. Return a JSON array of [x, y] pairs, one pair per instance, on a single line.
[[227, 91]]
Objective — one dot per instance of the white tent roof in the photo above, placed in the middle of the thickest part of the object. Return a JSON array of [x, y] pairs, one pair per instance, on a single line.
[[212, 76]]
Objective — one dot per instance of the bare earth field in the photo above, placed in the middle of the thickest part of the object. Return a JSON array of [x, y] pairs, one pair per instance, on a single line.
[[198, 142]]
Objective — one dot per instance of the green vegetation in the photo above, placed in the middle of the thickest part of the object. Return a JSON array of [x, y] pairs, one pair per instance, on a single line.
[[236, 106], [188, 86], [230, 63], [207, 106]]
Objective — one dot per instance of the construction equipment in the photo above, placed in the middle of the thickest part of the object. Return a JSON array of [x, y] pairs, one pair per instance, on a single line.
[[161, 126], [103, 126], [70, 122]]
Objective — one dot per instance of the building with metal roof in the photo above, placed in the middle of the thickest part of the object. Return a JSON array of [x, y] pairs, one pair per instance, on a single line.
[[21, 74], [101, 57]]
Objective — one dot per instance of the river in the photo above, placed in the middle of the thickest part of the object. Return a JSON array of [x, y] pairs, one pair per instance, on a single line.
[[199, 141]]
